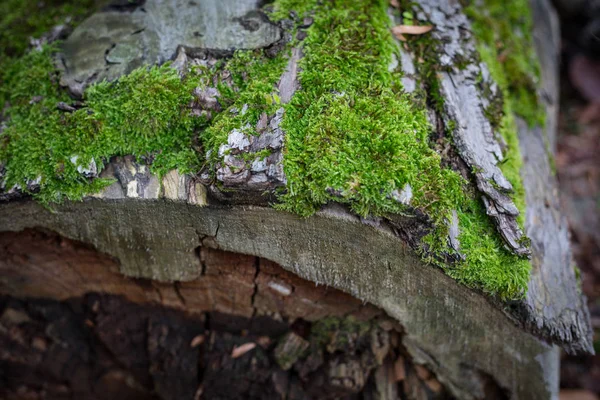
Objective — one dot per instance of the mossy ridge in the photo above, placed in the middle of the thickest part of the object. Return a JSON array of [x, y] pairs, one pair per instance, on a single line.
[[350, 114], [505, 45]]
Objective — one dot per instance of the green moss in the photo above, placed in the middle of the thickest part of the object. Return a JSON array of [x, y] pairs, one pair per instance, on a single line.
[[282, 8], [486, 259], [487, 265], [22, 19], [578, 278], [352, 135], [145, 114], [505, 44], [254, 79]]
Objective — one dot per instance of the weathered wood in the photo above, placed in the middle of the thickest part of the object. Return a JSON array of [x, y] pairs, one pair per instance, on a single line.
[[276, 336], [49, 266], [474, 137], [450, 328], [164, 232]]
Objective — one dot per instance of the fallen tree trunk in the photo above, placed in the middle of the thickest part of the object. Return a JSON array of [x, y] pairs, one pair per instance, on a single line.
[[173, 284], [235, 332]]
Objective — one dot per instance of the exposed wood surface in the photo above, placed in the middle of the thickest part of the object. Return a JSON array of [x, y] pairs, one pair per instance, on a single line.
[[45, 265], [245, 328], [455, 331], [555, 307]]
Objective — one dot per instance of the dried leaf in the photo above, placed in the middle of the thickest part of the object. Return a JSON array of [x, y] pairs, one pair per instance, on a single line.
[[410, 30], [197, 341], [394, 3], [239, 351], [400, 37]]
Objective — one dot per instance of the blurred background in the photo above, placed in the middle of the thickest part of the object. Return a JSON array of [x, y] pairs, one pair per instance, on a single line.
[[578, 169]]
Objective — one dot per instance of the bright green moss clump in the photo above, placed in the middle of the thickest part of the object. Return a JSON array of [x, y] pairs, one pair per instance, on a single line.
[[353, 135], [145, 114], [488, 264]]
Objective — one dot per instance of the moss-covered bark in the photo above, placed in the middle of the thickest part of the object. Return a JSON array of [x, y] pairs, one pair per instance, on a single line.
[[352, 134]]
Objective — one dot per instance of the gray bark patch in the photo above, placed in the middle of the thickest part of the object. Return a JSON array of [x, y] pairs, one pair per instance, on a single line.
[[477, 143], [112, 43]]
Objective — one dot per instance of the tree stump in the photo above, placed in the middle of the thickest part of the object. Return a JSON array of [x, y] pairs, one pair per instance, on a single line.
[[175, 232]]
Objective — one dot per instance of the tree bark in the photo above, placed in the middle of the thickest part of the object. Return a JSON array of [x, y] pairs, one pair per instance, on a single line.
[[180, 289]]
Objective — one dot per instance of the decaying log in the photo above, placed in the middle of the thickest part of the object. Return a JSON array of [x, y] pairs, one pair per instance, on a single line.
[[192, 286]]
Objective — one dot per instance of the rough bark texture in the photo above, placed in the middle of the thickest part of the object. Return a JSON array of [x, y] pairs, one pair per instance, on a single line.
[[555, 306], [156, 233], [116, 41], [464, 105]]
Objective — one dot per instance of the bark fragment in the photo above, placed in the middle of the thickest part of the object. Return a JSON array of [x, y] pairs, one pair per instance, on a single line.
[[477, 143]]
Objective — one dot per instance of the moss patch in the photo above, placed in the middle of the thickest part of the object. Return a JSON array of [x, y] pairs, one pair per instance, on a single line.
[[486, 257], [144, 114], [253, 88], [352, 135], [505, 43]]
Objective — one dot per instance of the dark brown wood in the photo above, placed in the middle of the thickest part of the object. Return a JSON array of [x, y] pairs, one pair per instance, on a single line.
[[245, 328]]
